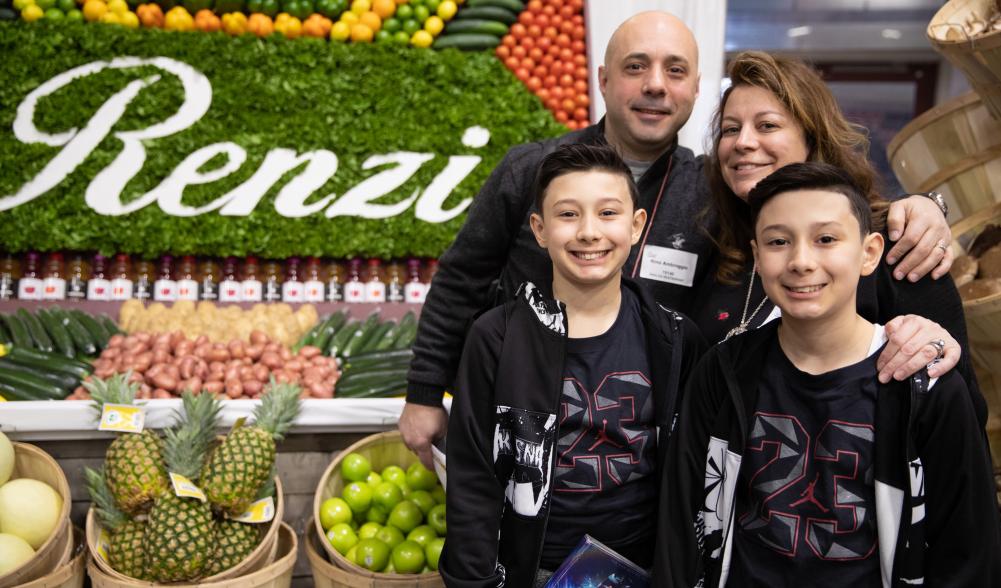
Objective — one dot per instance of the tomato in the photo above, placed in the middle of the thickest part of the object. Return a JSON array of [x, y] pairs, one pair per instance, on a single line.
[[578, 19], [387, 495], [522, 74], [566, 55], [535, 31], [557, 4], [542, 20], [549, 81], [553, 103], [534, 83], [562, 116], [526, 18], [572, 125], [557, 92], [580, 114], [566, 80], [554, 50], [405, 516], [556, 68], [342, 537], [578, 33], [373, 478], [535, 54], [534, 6], [548, 60], [579, 59], [551, 32], [509, 41], [579, 48], [358, 495], [556, 20], [580, 86], [519, 53], [512, 63], [432, 552], [567, 27], [408, 557], [528, 43], [549, 9], [436, 519], [502, 52], [567, 11], [540, 72], [372, 554], [543, 94], [528, 63], [543, 43], [568, 104], [518, 30], [580, 73], [563, 40]]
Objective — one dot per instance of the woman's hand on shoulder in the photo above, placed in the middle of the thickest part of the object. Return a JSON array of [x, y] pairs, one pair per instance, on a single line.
[[910, 348], [922, 237]]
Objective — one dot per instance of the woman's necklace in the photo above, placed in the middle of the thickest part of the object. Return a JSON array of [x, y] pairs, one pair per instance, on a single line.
[[744, 319]]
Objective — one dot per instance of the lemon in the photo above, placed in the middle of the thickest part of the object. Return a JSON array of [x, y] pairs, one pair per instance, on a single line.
[[93, 10], [340, 31], [119, 7], [350, 18], [360, 7], [31, 13], [434, 25], [111, 18], [446, 10], [130, 20], [2, 399], [20, 5], [421, 39]]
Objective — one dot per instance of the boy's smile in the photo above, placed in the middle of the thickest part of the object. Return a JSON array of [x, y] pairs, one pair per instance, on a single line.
[[588, 225]]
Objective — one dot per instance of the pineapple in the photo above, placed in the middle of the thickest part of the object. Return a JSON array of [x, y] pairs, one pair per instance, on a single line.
[[133, 466], [125, 552], [234, 542], [181, 534], [242, 464]]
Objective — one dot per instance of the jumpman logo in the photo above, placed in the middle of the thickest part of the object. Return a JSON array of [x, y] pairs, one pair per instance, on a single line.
[[603, 437], [807, 496]]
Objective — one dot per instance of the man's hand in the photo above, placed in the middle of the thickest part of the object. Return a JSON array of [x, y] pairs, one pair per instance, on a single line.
[[909, 349], [922, 239], [420, 426]]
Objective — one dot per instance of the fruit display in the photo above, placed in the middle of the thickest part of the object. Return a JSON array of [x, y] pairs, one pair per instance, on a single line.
[[219, 323], [480, 25], [165, 365], [978, 273], [389, 522], [162, 535], [29, 374], [546, 50]]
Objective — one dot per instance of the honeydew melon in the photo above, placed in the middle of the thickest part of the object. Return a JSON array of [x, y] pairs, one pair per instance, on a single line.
[[6, 459], [30, 510], [14, 552]]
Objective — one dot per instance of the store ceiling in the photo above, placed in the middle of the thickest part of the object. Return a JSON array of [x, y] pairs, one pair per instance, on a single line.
[[842, 28]]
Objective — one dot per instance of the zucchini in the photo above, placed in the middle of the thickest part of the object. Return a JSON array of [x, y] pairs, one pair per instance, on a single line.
[[96, 331], [361, 337], [378, 335], [60, 338], [47, 361], [383, 390], [4, 335], [339, 340], [34, 326], [32, 384], [515, 6], [487, 13], [10, 392], [371, 359], [109, 325], [18, 332], [476, 25], [81, 338], [330, 328], [357, 379], [54, 377], [405, 337], [466, 42]]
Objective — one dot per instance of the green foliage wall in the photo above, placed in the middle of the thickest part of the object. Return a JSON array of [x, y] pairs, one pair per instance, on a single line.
[[354, 100]]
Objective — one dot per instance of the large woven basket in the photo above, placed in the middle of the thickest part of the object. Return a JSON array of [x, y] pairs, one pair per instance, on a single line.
[[382, 449], [31, 462], [979, 57], [262, 555], [72, 573]]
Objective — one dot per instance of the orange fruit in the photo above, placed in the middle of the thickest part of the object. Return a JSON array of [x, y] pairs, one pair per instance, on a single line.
[[361, 33], [371, 20], [384, 8], [94, 10]]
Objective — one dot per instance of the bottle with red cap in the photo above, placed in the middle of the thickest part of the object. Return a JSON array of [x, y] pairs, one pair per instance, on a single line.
[[354, 288], [251, 283], [76, 278], [313, 287], [165, 287], [293, 289], [187, 284], [99, 286], [121, 278], [375, 285], [54, 280], [142, 289], [415, 289], [10, 272], [230, 289], [29, 287]]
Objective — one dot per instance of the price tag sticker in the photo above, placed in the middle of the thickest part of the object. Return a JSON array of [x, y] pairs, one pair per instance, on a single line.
[[122, 418], [185, 488], [262, 511], [103, 545]]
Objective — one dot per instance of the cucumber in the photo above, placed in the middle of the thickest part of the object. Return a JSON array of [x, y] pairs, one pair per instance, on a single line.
[[381, 356], [81, 338], [479, 26], [38, 334], [56, 378], [515, 6], [360, 338], [378, 336], [466, 42], [96, 331], [339, 340], [109, 325], [40, 360], [487, 13], [382, 390], [60, 338], [366, 379], [14, 393], [32, 384], [405, 337], [18, 332], [4, 335], [330, 328]]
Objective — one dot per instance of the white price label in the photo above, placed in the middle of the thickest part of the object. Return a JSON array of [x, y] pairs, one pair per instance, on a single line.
[[185, 488], [122, 418]]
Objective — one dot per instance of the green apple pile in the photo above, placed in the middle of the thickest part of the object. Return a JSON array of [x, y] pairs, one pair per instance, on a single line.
[[29, 512], [391, 522]]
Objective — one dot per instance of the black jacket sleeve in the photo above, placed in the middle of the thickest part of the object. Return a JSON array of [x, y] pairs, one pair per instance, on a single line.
[[475, 497], [462, 286], [962, 529]]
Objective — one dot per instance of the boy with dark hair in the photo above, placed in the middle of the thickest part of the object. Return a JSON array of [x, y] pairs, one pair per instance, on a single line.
[[562, 407], [792, 465]]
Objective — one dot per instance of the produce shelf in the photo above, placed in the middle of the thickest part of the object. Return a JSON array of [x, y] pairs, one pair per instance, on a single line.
[[358, 310]]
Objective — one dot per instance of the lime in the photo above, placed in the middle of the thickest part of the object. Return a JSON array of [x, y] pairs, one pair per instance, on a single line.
[[333, 511], [371, 554], [74, 15], [401, 38], [436, 519], [368, 530], [404, 12], [377, 514], [419, 477], [390, 535], [410, 26], [421, 498], [387, 495], [421, 13], [65, 5], [342, 537], [384, 37], [408, 557], [422, 535], [391, 24], [355, 466], [45, 4], [438, 493], [54, 14], [432, 552], [358, 495], [405, 516], [432, 5]]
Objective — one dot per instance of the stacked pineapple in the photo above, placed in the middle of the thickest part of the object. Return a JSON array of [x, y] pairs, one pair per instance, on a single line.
[[158, 536]]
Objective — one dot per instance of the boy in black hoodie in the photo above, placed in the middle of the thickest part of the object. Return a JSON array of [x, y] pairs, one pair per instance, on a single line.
[[562, 407], [792, 465]]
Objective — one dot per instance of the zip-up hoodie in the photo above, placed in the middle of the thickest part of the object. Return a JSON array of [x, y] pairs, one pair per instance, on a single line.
[[503, 429], [936, 515]]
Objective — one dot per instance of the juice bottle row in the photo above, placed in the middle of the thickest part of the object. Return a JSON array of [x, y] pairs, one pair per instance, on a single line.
[[76, 276]]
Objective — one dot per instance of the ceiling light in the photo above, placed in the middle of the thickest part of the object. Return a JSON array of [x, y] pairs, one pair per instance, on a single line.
[[799, 31], [892, 34]]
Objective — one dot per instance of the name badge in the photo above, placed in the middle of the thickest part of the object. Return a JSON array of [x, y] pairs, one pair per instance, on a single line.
[[664, 264]]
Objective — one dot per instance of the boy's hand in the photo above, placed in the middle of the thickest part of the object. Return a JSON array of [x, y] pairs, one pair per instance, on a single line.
[[420, 426], [909, 349], [922, 239]]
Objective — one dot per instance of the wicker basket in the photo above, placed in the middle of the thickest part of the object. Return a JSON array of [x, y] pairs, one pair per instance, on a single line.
[[955, 149], [273, 575], [262, 556], [978, 57], [72, 573], [382, 449], [32, 462]]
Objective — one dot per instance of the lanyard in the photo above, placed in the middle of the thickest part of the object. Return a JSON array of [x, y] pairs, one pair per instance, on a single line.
[[649, 222]]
